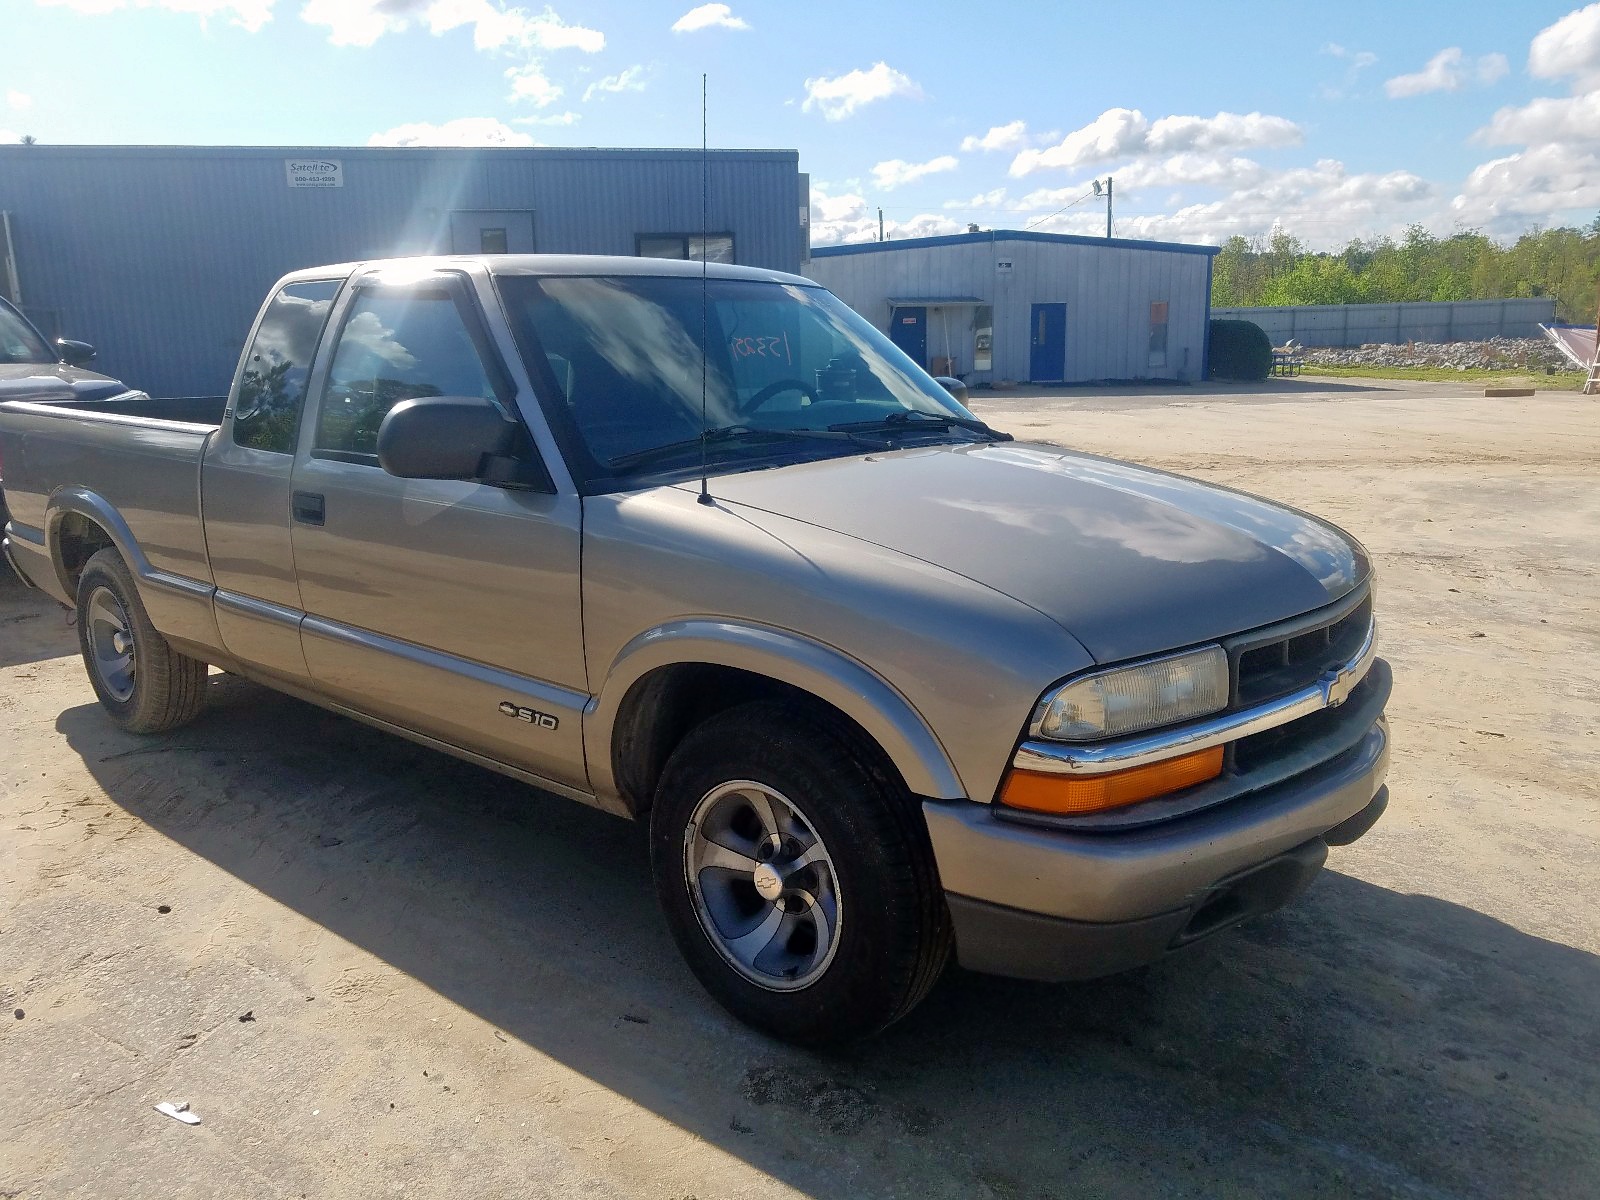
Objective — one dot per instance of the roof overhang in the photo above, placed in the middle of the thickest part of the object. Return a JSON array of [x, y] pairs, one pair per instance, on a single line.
[[933, 301]]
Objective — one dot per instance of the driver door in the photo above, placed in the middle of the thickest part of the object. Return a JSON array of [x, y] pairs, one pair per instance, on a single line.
[[447, 607]]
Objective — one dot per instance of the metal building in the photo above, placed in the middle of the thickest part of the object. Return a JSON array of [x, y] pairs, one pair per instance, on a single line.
[[159, 255], [1038, 307]]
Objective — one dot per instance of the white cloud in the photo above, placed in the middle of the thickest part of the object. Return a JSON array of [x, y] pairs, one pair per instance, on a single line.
[[8, 136], [562, 118], [249, 14], [1225, 131], [1546, 119], [1191, 169], [351, 22], [848, 218], [1356, 61], [983, 201], [530, 83], [708, 16], [841, 96], [1359, 60], [1552, 177], [630, 79], [1556, 168], [494, 25], [1113, 134], [1324, 203], [1011, 136], [18, 101], [1569, 47], [1122, 132], [896, 172], [1448, 71], [463, 131]]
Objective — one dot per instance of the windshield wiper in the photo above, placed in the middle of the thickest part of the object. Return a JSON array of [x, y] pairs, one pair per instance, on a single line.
[[914, 419], [723, 433]]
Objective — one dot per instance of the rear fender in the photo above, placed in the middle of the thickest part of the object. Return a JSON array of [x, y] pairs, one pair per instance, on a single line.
[[179, 607]]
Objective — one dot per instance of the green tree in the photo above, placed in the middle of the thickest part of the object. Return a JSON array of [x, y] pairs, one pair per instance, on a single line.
[[1562, 263]]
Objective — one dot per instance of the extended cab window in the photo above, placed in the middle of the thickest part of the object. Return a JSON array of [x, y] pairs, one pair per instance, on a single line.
[[273, 386], [396, 344]]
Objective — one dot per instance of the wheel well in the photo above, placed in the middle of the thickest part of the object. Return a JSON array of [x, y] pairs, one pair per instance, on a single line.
[[662, 707], [77, 540]]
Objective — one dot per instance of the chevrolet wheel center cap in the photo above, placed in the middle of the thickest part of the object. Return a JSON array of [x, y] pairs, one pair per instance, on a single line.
[[767, 882]]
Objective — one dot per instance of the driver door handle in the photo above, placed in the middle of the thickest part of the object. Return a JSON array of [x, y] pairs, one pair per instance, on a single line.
[[309, 508]]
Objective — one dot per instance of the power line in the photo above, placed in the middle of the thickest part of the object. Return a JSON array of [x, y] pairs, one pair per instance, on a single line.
[[1060, 210]]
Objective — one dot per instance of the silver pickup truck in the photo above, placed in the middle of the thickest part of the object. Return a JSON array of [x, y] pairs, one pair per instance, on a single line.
[[702, 547]]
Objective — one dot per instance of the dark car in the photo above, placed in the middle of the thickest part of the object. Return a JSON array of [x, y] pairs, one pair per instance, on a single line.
[[32, 369]]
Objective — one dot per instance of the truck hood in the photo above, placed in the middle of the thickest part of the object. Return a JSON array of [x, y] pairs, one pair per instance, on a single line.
[[55, 381], [1130, 561]]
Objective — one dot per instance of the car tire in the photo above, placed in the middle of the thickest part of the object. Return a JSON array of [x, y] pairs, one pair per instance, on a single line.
[[142, 682], [795, 872]]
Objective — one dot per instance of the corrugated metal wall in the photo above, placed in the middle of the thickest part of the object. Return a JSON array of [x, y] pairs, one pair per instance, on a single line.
[[161, 255], [1393, 324], [1108, 291]]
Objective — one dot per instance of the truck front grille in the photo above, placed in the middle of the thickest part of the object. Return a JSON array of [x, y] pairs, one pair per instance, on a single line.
[[1266, 666]]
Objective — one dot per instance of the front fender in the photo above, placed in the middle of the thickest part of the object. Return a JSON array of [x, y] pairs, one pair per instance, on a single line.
[[886, 715]]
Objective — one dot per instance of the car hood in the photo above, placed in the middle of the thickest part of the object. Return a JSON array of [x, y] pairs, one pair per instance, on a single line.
[[55, 381], [1128, 560]]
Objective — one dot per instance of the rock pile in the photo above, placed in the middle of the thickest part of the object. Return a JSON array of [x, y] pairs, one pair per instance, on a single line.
[[1496, 354]]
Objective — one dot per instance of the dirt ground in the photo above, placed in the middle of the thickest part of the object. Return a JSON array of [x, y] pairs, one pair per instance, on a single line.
[[373, 970]]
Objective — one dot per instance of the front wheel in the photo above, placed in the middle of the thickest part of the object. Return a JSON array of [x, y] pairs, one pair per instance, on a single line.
[[142, 682], [795, 872]]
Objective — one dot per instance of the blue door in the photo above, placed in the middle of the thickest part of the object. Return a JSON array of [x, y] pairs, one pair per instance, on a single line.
[[1048, 361], [908, 329]]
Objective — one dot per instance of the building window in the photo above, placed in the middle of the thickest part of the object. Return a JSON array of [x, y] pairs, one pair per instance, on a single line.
[[492, 241], [1158, 334], [713, 247], [983, 337]]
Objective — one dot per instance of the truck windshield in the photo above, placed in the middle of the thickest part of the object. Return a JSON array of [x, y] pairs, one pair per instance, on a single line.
[[625, 354], [19, 343]]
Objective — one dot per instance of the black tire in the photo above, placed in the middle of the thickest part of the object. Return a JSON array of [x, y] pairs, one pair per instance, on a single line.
[[160, 689], [893, 928]]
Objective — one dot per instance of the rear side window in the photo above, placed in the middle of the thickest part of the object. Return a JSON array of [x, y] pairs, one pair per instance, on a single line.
[[273, 387], [395, 345]]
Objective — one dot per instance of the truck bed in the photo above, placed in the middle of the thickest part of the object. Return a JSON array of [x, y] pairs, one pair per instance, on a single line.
[[135, 456], [196, 410]]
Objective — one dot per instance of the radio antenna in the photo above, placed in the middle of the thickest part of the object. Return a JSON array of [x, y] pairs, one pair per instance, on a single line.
[[705, 321]]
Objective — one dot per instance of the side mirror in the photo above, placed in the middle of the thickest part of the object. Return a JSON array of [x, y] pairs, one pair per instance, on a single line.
[[74, 354], [457, 437], [952, 385]]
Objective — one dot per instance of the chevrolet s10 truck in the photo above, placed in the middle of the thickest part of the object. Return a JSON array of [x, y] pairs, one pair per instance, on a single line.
[[707, 550]]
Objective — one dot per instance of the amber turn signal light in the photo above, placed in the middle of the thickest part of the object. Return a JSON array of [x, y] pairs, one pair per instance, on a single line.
[[1069, 795]]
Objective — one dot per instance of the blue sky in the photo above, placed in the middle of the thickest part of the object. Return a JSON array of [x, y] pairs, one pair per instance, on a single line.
[[1333, 121]]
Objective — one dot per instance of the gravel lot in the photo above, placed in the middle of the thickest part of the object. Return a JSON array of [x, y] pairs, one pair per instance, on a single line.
[[372, 970]]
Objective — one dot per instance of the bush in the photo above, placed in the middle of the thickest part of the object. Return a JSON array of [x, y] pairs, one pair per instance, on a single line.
[[1239, 350]]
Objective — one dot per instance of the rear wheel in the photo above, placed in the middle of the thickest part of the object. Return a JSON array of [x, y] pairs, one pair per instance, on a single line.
[[796, 874], [142, 682]]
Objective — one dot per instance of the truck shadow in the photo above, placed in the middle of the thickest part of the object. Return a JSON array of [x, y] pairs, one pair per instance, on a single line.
[[1365, 1042]]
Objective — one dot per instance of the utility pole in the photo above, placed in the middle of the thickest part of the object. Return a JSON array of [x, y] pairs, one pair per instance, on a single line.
[[880, 224], [1108, 206]]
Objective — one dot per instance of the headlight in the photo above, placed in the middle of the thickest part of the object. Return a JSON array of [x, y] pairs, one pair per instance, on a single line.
[[1126, 700]]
